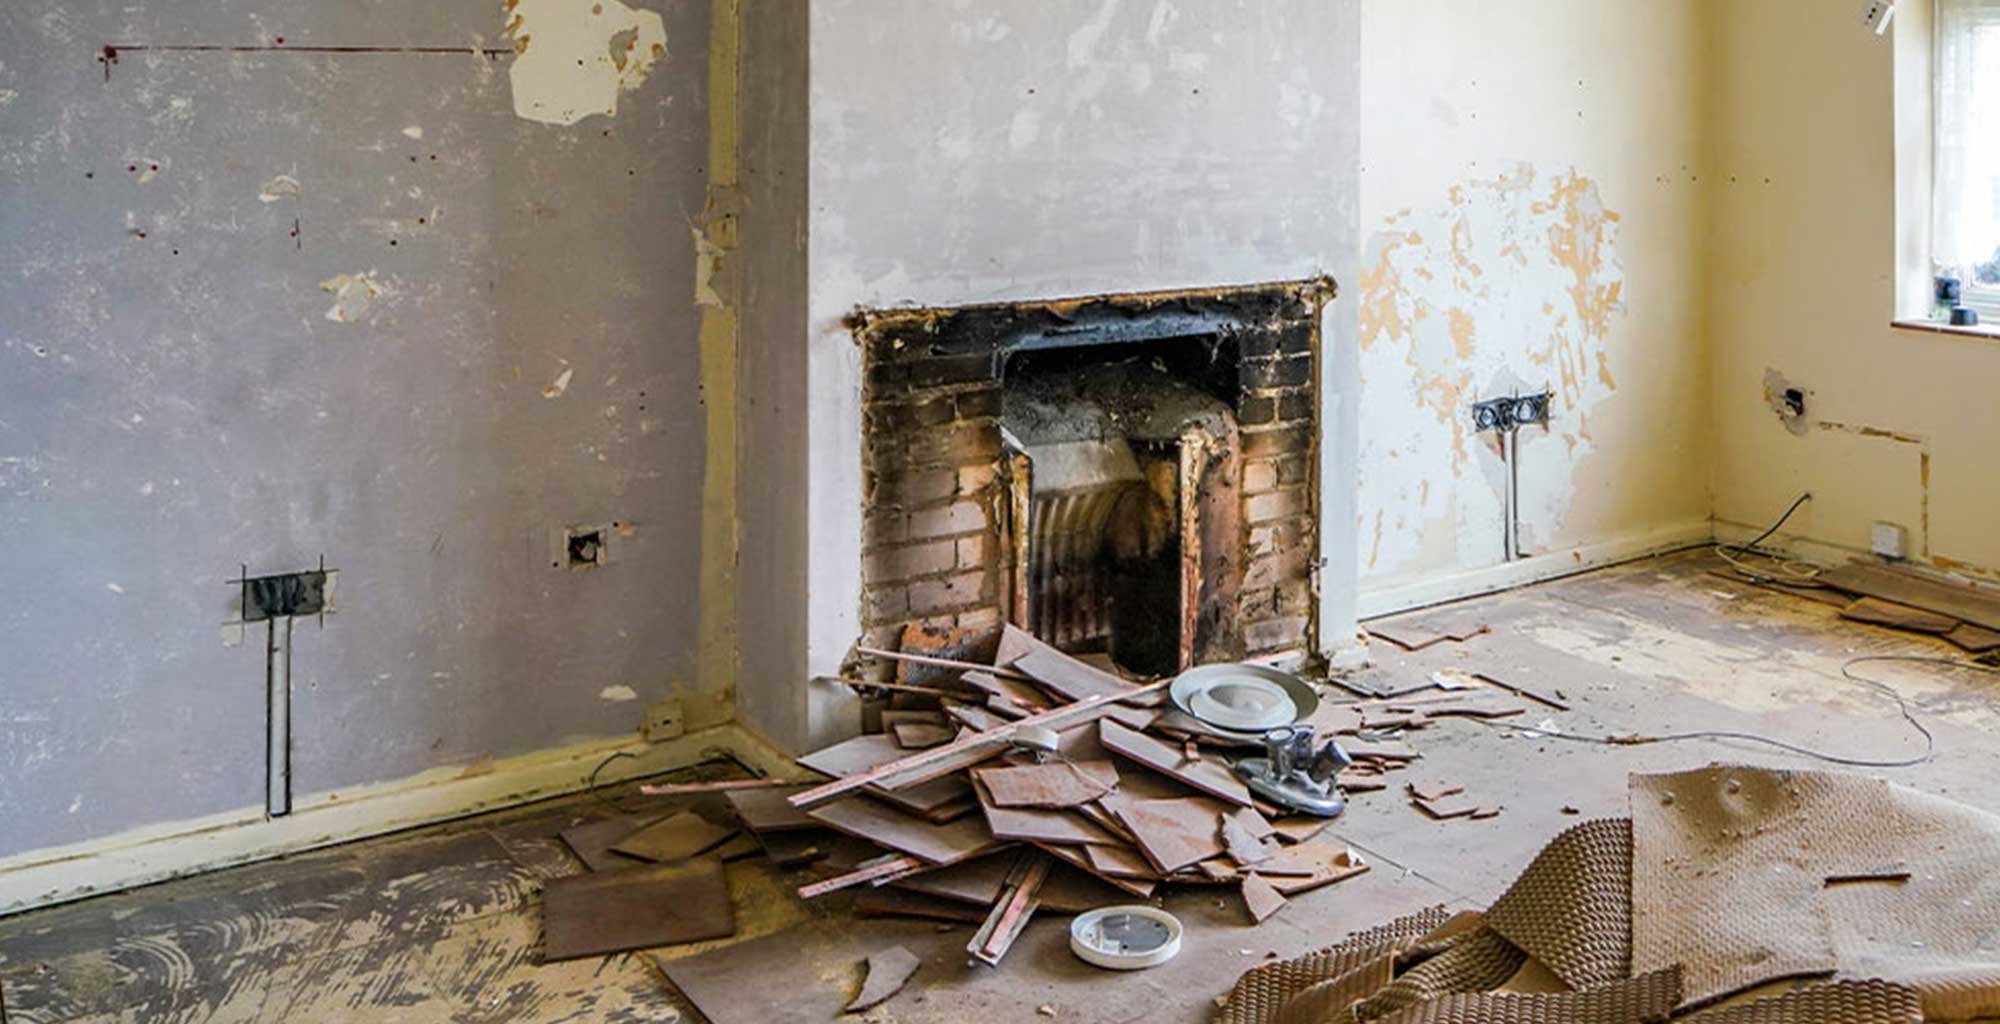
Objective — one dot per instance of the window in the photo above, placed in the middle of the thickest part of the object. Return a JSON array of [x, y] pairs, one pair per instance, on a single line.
[[1966, 193]]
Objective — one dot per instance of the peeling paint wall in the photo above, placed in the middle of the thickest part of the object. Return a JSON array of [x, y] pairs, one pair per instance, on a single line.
[[267, 304], [1803, 282], [1531, 214], [573, 58]]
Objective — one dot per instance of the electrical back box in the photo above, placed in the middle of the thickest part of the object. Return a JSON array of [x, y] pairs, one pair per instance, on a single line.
[[1887, 540], [664, 721]]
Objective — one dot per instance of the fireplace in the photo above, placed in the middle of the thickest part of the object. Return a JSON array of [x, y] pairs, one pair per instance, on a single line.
[[1130, 475]]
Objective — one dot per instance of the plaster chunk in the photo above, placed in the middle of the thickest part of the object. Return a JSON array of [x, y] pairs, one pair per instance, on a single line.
[[574, 59]]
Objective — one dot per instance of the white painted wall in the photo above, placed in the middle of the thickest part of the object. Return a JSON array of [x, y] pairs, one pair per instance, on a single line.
[[1803, 279], [1532, 210], [1014, 149]]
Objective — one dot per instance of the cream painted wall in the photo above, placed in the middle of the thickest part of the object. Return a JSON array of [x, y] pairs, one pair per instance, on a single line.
[[1803, 280], [1532, 213]]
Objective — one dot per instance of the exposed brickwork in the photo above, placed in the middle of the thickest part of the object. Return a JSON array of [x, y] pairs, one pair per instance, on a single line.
[[932, 549]]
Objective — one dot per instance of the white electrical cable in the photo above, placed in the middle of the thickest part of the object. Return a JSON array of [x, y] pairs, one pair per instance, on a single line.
[[1796, 573]]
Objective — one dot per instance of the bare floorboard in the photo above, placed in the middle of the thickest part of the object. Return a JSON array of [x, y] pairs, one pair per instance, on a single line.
[[444, 923]]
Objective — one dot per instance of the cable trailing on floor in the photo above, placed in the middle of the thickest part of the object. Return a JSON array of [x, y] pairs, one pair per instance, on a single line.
[[1792, 573], [1846, 670]]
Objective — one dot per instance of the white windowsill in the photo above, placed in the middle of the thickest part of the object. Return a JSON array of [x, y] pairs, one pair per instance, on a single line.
[[1985, 331]]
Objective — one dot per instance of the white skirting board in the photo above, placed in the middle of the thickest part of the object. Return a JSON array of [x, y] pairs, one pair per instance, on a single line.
[[157, 853], [1400, 597]]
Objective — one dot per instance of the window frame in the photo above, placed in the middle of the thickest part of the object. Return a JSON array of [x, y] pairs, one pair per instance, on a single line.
[[1983, 299]]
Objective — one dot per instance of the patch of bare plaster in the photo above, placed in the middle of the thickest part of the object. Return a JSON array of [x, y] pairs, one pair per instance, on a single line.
[[284, 186], [574, 57], [353, 296], [707, 256], [559, 385], [1788, 400], [1518, 273]]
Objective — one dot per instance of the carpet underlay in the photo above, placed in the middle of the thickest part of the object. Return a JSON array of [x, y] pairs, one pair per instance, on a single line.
[[1731, 896]]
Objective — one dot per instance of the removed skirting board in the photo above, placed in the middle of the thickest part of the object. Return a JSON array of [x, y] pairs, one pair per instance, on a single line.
[[157, 853], [1389, 599]]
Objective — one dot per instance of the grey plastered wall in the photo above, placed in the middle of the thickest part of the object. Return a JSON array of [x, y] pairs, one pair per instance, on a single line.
[[1017, 149], [772, 401], [177, 404]]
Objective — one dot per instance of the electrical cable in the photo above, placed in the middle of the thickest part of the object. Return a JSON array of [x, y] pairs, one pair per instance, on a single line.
[[1797, 574], [1846, 670], [593, 787]]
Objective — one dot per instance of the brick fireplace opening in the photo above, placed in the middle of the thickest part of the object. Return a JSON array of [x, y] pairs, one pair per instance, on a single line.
[[1130, 474]]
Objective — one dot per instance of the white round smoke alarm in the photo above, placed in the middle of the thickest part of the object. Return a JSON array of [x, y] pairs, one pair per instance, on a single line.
[[1128, 938]]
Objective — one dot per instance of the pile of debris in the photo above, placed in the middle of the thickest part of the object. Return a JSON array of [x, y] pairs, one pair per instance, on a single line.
[[1015, 780], [1040, 781]]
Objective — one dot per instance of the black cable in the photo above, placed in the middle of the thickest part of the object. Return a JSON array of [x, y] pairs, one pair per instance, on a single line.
[[1846, 670], [1797, 579], [591, 785], [1775, 527]]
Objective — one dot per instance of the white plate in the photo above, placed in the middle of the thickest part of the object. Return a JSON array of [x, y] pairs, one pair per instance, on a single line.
[[1243, 699]]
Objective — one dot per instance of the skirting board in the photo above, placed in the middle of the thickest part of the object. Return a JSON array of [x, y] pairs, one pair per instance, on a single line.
[[1826, 553], [160, 852], [1401, 597]]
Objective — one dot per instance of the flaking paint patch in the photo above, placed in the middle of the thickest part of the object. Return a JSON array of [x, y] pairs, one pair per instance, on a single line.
[[574, 59], [284, 186], [353, 295], [1515, 274]]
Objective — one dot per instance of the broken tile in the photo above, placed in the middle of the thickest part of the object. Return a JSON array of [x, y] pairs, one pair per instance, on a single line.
[[1074, 856], [1433, 790], [887, 972], [1243, 846], [1260, 898], [1057, 784], [888, 901], [792, 849], [922, 736], [769, 810], [1172, 833], [1974, 639], [1067, 677], [1311, 865], [874, 750], [1897, 616], [1030, 824], [1450, 807], [1120, 861], [677, 838], [592, 840], [1202, 774], [1300, 828], [883, 825], [654, 905]]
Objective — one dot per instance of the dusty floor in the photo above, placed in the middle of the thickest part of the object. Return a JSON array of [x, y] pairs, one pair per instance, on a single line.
[[442, 924]]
